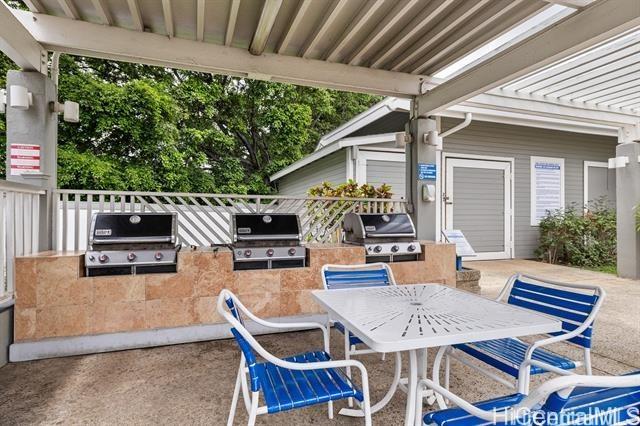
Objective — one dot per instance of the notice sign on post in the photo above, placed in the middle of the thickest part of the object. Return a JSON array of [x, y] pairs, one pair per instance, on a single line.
[[427, 171], [25, 159], [455, 236], [547, 187]]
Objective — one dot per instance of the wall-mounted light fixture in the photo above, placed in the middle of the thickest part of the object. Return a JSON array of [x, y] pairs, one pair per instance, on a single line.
[[70, 110], [20, 97], [618, 162], [432, 138], [402, 139]]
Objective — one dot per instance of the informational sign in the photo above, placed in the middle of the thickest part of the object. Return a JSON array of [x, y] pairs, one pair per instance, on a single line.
[[547, 187], [463, 248], [25, 159], [427, 171]]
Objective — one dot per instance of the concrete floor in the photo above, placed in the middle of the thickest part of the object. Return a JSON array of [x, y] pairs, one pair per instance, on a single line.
[[193, 383]]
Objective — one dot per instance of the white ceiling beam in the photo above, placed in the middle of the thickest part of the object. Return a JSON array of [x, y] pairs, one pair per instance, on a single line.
[[328, 19], [555, 72], [446, 26], [231, 22], [294, 23], [167, 13], [102, 11], [629, 88], [94, 40], [625, 101], [423, 20], [136, 15], [596, 23], [448, 47], [576, 4], [35, 6], [579, 84], [200, 20], [265, 25], [69, 9], [368, 11], [18, 44], [399, 12], [606, 86]]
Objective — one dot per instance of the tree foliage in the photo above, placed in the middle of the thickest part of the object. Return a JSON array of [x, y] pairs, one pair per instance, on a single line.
[[155, 129]]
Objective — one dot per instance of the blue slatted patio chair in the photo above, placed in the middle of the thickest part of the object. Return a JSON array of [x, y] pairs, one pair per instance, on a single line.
[[289, 383], [336, 277], [562, 401], [576, 305]]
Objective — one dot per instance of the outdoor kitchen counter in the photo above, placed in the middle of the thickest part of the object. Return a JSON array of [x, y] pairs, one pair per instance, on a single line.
[[54, 298]]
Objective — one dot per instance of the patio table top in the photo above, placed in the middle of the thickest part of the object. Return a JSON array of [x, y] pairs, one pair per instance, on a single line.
[[410, 317]]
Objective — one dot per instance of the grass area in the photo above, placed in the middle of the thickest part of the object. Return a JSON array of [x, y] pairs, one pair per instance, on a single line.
[[607, 269]]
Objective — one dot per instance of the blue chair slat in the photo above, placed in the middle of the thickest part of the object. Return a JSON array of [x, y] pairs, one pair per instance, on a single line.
[[250, 358], [507, 354], [286, 389], [559, 313], [353, 340], [459, 417], [562, 294], [551, 300], [613, 405], [356, 278]]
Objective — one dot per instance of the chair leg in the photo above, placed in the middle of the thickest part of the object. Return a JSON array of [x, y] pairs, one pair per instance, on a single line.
[[587, 362], [234, 401], [347, 355], [330, 409], [253, 412], [447, 371]]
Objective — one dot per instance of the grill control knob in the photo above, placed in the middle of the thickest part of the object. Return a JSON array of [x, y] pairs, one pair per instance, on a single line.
[[92, 258], [158, 255], [395, 248], [411, 247], [377, 249], [247, 253], [270, 252], [131, 257], [292, 251], [103, 258]]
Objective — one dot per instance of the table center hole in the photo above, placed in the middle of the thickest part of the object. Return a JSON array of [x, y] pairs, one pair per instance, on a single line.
[[416, 303]]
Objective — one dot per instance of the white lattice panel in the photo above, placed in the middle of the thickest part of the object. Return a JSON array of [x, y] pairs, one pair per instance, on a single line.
[[427, 315]]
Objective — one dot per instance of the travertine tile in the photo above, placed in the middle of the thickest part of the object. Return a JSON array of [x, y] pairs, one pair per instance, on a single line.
[[118, 316], [256, 282], [71, 320], [118, 289], [26, 282], [161, 313], [53, 290], [24, 321], [169, 286], [214, 271], [297, 303], [264, 305], [205, 310]]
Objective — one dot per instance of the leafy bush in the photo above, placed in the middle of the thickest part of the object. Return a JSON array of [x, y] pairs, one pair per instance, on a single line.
[[350, 189], [574, 237]]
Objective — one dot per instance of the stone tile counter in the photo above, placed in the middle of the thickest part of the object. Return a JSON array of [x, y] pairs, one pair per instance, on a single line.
[[55, 299]]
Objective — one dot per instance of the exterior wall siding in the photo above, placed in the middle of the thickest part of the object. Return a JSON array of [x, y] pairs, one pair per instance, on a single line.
[[520, 143], [389, 172], [332, 168]]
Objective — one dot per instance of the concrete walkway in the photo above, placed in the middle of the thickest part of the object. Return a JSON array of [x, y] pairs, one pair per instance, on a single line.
[[192, 384]]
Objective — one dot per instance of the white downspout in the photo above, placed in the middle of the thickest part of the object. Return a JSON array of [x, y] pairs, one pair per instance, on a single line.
[[467, 120]]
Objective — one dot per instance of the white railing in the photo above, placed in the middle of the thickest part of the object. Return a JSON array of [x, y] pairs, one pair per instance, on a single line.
[[19, 230], [205, 219]]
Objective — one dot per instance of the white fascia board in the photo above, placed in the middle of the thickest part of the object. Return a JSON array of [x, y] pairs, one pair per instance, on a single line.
[[18, 44], [588, 27], [93, 40], [527, 120], [367, 140], [377, 111]]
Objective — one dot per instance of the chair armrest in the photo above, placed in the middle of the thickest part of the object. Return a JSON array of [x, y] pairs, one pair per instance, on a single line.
[[524, 367]]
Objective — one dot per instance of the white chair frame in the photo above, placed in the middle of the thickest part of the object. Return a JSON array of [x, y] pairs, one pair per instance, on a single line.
[[251, 399], [524, 376], [563, 385]]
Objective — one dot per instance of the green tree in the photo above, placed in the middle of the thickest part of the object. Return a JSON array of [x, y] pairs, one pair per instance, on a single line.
[[157, 129]]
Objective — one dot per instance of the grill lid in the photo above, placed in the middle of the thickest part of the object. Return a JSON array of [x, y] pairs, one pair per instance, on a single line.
[[115, 228], [361, 226], [272, 226]]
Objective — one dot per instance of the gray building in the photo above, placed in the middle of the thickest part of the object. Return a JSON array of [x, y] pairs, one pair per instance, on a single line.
[[488, 170]]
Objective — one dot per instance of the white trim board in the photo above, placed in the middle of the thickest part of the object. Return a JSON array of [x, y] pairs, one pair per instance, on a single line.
[[533, 160], [364, 155], [109, 342], [585, 177]]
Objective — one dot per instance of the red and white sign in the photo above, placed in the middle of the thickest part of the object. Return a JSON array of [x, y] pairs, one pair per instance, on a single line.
[[25, 159]]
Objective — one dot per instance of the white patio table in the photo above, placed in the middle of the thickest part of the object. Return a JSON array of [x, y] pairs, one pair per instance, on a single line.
[[415, 317]]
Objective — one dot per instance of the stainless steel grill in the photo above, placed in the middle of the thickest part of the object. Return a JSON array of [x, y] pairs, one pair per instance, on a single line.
[[387, 237], [267, 241], [132, 243]]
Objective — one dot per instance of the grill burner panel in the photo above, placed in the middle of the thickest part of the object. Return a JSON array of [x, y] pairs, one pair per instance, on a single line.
[[267, 241], [132, 243], [385, 237]]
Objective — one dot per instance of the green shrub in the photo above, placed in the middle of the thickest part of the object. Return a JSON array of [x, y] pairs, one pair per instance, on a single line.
[[575, 237]]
